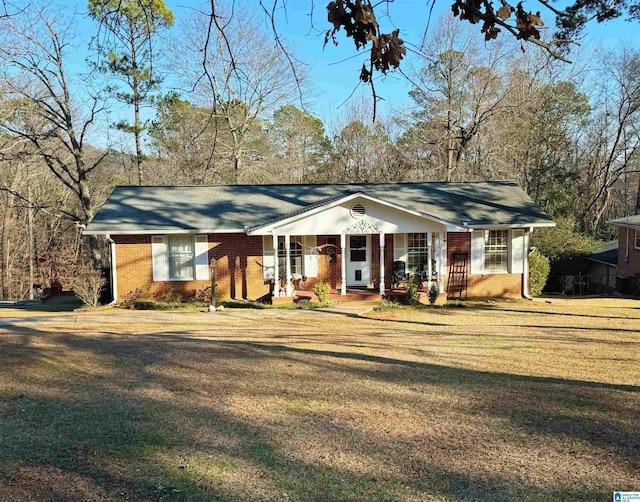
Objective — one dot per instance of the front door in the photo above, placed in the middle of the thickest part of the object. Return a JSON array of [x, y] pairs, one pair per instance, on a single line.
[[358, 260]]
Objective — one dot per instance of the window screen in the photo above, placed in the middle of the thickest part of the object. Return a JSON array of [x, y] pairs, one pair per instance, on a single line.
[[358, 248], [295, 254], [180, 252], [496, 251]]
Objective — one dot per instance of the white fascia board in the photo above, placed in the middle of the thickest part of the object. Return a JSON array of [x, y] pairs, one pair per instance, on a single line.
[[500, 226], [613, 265], [268, 229], [161, 231], [456, 228], [635, 226]]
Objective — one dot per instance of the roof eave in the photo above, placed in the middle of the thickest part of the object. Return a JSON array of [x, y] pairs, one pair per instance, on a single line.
[[496, 226], [165, 231], [624, 224], [608, 263]]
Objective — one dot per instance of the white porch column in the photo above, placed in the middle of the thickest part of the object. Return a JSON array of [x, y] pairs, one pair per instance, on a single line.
[[287, 245], [276, 268], [429, 259], [442, 258], [382, 264], [343, 264]]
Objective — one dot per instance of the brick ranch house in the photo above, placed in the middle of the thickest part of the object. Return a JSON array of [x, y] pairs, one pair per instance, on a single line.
[[628, 250], [271, 241]]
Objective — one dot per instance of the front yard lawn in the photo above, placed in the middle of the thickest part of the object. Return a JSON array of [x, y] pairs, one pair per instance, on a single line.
[[522, 401]]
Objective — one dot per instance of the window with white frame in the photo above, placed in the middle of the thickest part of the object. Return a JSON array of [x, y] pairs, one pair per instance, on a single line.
[[637, 239], [496, 251], [417, 251], [180, 252], [295, 254]]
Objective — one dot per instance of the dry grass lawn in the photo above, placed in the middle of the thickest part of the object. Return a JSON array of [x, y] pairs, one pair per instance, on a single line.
[[521, 401]]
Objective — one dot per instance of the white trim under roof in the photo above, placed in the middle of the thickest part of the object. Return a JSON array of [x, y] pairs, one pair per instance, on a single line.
[[267, 228], [626, 225], [505, 226], [161, 231], [632, 221], [603, 262]]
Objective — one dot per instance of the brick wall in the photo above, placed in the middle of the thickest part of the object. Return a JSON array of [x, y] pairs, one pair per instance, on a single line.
[[482, 285], [328, 265], [239, 273], [630, 266], [238, 268]]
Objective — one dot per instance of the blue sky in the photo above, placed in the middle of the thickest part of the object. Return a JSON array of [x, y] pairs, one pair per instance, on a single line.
[[335, 78]]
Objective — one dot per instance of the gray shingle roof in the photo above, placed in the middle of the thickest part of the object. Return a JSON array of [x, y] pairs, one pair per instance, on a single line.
[[608, 253], [627, 221], [146, 209]]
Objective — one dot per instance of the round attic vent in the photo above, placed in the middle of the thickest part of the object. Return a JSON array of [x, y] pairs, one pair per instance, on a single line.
[[358, 210]]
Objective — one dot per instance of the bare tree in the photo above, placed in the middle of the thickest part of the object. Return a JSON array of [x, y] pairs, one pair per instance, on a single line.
[[247, 76], [610, 149], [33, 48], [460, 88]]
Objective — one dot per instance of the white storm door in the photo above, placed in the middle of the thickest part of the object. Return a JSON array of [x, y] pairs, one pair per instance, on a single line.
[[358, 260]]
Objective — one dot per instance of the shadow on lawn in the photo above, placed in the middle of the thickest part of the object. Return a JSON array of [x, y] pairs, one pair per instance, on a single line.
[[97, 423], [503, 308], [525, 325]]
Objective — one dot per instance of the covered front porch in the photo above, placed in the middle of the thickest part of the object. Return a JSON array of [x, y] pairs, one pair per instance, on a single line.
[[357, 242], [357, 266]]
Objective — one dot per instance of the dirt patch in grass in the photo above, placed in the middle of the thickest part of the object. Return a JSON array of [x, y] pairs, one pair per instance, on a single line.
[[506, 401]]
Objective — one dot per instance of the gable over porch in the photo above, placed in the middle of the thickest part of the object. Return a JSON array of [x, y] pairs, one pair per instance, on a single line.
[[361, 228]]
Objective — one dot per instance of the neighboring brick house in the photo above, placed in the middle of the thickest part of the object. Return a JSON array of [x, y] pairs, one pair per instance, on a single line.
[[628, 249], [271, 240]]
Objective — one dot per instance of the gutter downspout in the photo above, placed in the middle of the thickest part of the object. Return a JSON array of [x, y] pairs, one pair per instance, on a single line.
[[525, 266], [114, 278]]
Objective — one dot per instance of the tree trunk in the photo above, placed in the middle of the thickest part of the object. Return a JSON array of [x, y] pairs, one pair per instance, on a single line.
[[136, 132], [449, 148], [31, 249], [236, 169], [4, 244], [96, 254], [637, 211], [87, 207], [449, 176]]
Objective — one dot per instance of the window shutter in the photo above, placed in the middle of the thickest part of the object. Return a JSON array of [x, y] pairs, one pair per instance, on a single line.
[[268, 265], [477, 252], [400, 247], [158, 253], [516, 257], [202, 258], [310, 258]]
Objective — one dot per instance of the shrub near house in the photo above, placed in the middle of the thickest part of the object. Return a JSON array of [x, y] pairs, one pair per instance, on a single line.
[[538, 272]]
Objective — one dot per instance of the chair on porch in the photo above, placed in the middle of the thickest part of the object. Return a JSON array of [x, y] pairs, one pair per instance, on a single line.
[[422, 275], [399, 273]]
